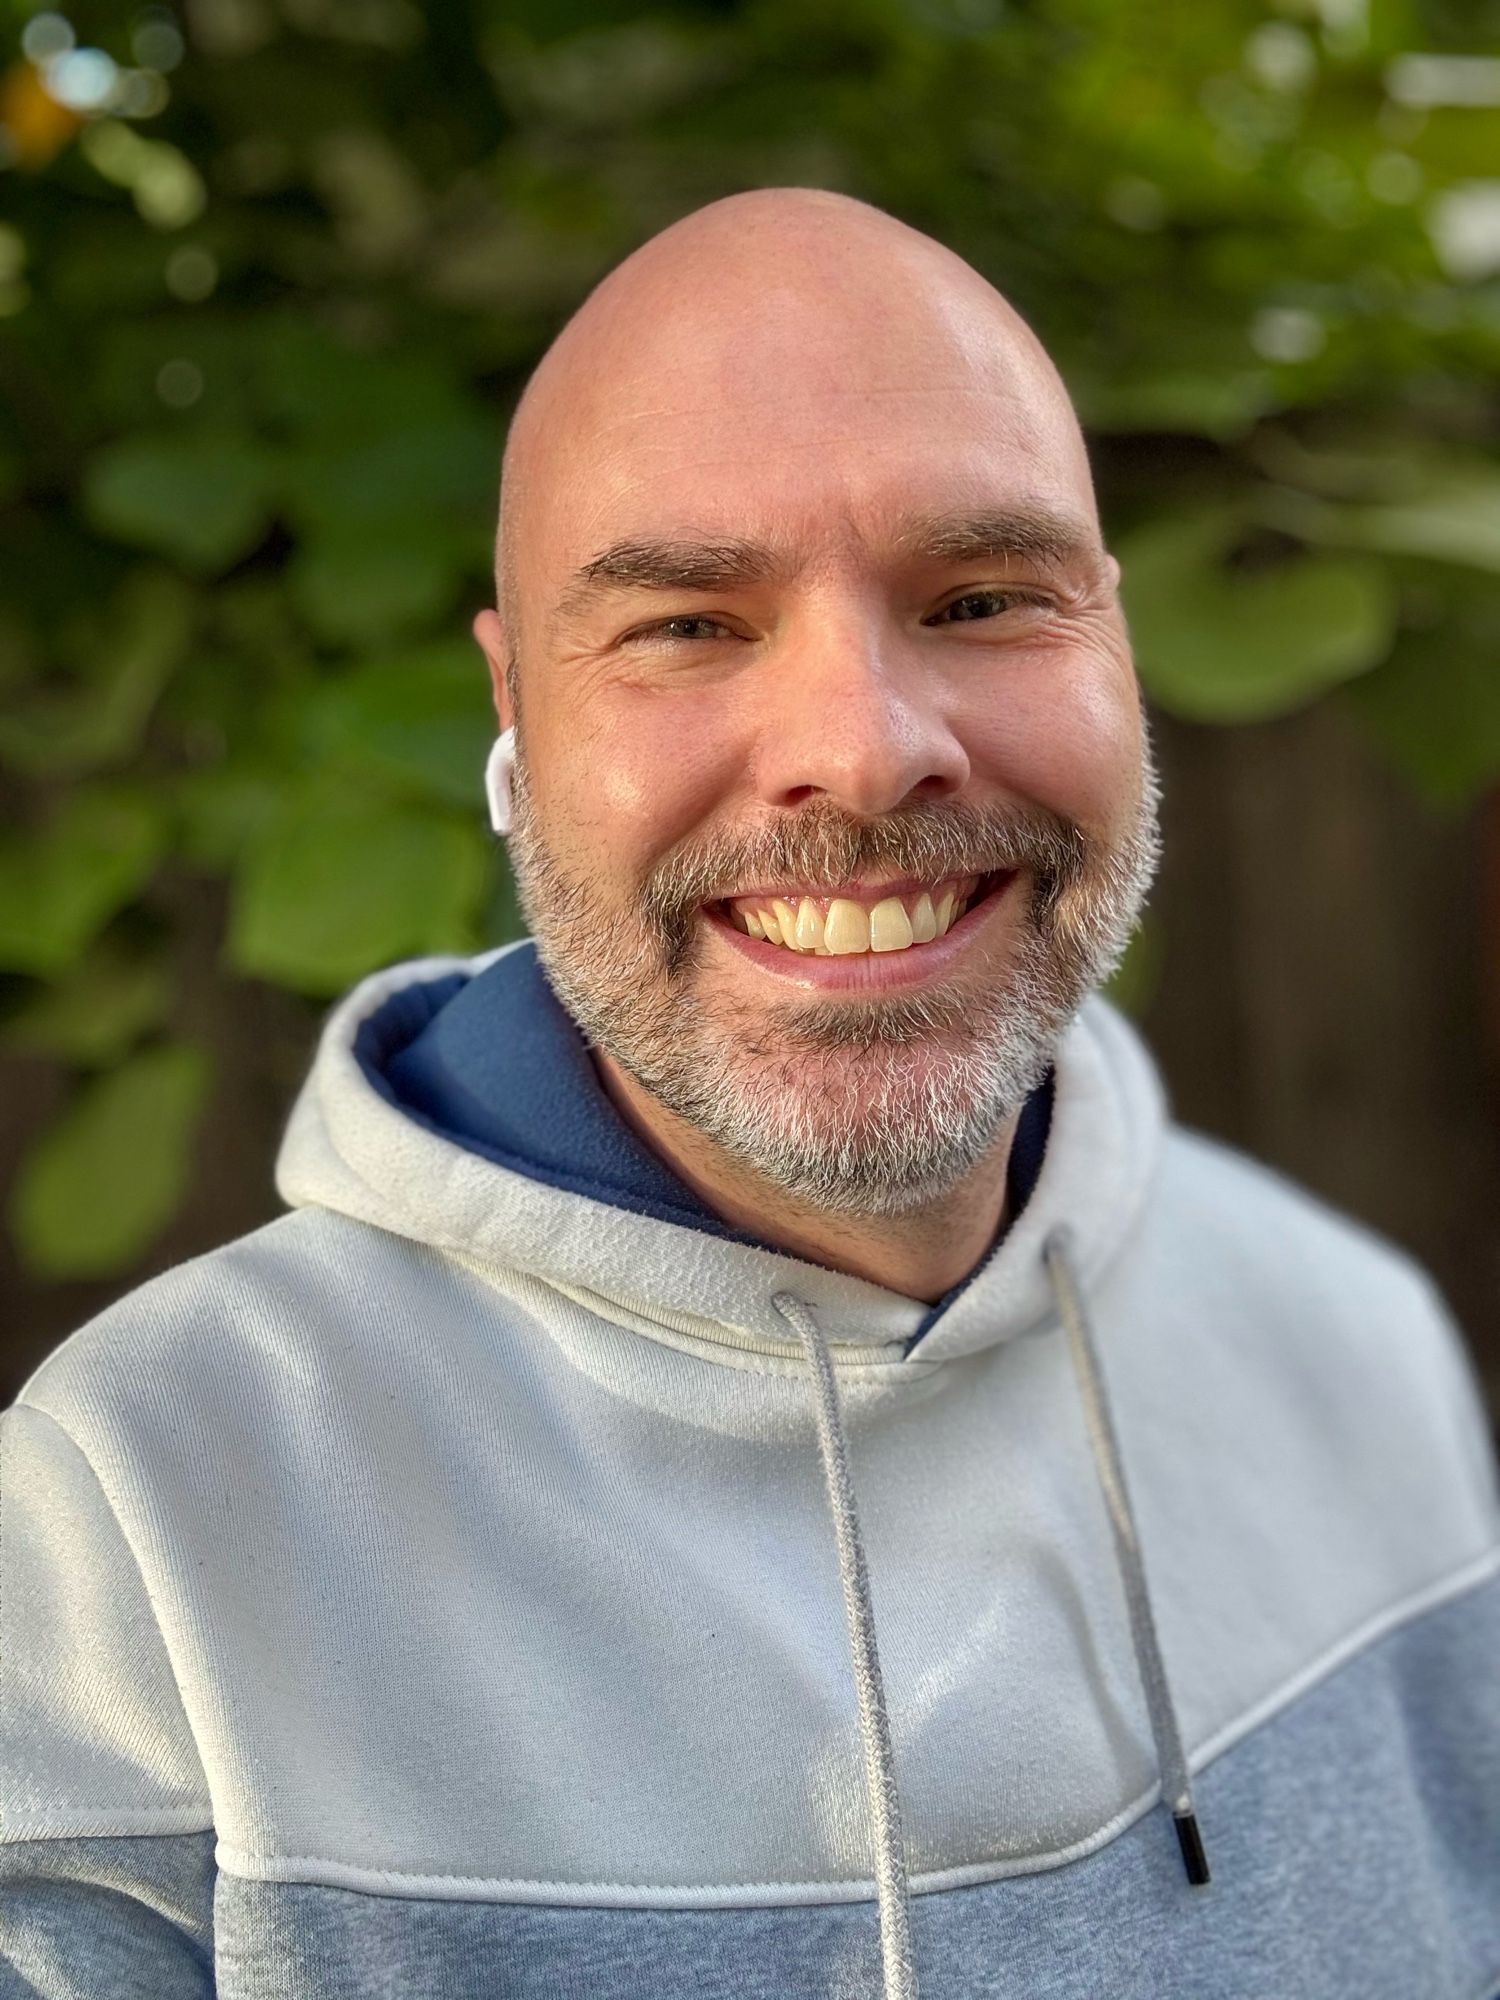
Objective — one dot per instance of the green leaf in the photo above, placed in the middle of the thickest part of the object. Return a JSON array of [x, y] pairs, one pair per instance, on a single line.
[[127, 653], [1456, 520], [401, 472], [204, 498], [360, 589], [94, 1014], [99, 1186], [312, 383], [221, 809], [423, 718], [391, 523], [1215, 644], [345, 883], [1434, 708], [59, 886]]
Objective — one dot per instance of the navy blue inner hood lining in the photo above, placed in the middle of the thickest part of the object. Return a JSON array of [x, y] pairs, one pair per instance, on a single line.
[[493, 1062]]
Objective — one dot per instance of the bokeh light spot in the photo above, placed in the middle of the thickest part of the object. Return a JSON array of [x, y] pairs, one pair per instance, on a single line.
[[179, 382], [1287, 333], [156, 41], [141, 93], [46, 37], [83, 79], [192, 272]]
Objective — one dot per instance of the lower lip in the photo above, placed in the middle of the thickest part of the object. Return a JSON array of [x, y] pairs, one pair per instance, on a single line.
[[868, 971]]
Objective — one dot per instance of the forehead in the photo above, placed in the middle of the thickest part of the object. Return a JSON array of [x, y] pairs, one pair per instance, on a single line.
[[811, 432], [839, 482]]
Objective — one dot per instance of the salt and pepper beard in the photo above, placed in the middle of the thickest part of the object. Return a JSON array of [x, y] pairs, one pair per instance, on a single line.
[[869, 1105]]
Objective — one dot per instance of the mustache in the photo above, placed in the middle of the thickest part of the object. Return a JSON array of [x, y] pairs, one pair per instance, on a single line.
[[822, 847]]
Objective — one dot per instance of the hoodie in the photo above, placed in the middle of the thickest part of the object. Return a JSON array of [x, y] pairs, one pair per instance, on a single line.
[[498, 1577]]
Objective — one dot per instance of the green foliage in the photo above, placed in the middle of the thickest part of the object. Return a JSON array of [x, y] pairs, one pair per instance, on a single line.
[[343, 881], [113, 664], [100, 1185], [260, 333], [204, 498], [94, 1014], [60, 884], [420, 717], [1222, 644], [1435, 703]]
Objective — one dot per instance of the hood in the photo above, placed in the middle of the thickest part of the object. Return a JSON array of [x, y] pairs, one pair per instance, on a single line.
[[358, 1142]]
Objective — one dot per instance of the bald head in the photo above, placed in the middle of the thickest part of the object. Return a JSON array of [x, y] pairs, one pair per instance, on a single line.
[[766, 321]]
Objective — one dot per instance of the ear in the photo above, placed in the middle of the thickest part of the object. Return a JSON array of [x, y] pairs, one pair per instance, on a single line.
[[490, 635]]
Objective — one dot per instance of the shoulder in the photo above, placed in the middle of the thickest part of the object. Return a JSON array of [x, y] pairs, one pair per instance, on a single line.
[[1326, 1328], [1251, 1230], [249, 1333]]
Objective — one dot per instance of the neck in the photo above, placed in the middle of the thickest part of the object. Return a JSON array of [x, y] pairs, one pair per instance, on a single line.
[[922, 1254]]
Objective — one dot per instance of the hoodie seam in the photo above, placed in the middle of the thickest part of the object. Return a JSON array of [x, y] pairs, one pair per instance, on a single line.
[[1431, 1597], [699, 1347]]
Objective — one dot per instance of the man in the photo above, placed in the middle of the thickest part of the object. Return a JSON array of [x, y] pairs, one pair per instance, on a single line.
[[760, 1454]]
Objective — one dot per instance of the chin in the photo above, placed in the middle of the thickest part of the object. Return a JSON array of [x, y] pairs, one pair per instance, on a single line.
[[867, 1130]]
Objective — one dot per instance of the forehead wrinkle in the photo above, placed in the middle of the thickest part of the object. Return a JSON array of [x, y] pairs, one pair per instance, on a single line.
[[710, 403]]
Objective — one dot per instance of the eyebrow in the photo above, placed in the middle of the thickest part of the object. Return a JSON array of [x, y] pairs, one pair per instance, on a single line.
[[1042, 535], [669, 565]]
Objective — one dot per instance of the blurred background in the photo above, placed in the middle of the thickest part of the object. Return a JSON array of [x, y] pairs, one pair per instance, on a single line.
[[272, 273]]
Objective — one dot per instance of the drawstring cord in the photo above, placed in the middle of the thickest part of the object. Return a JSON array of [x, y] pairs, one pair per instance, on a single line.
[[899, 1977], [1171, 1760], [898, 1969]]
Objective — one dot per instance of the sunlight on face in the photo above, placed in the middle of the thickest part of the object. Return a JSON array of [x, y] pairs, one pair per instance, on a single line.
[[834, 793]]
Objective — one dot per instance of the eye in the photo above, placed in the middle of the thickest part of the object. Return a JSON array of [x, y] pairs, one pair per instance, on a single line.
[[687, 629], [976, 604]]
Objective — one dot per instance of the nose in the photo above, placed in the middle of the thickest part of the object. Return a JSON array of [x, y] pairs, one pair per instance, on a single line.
[[855, 717]]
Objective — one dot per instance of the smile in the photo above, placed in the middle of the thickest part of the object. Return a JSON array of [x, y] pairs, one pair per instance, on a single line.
[[865, 919]]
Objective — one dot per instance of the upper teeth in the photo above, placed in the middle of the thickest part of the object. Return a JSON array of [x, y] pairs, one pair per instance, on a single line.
[[835, 926]]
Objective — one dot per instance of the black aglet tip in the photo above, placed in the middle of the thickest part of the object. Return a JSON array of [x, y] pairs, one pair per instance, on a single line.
[[1194, 1860]]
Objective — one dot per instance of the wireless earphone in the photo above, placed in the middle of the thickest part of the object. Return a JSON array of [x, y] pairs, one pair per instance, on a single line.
[[497, 770]]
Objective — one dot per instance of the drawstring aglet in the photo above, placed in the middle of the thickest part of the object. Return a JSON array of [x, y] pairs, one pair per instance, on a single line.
[[1190, 1840], [1170, 1755]]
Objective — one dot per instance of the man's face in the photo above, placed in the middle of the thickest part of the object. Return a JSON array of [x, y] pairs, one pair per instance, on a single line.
[[828, 650]]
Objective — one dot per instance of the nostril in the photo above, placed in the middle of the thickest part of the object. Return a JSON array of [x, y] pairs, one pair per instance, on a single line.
[[933, 787]]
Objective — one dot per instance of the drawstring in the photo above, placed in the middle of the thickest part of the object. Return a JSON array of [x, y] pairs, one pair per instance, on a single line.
[[1171, 1761], [899, 1978], [898, 1970]]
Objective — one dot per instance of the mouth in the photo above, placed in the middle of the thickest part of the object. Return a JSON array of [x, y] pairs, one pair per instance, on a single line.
[[863, 920]]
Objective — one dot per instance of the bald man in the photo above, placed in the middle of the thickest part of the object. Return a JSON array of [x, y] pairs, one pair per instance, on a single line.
[[761, 1461]]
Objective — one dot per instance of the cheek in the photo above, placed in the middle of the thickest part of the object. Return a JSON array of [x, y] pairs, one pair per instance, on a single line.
[[1065, 736], [625, 782]]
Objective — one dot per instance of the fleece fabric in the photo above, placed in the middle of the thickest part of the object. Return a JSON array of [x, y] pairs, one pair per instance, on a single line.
[[435, 1593]]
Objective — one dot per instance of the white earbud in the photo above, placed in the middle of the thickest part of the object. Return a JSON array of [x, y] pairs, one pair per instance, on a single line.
[[497, 772]]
